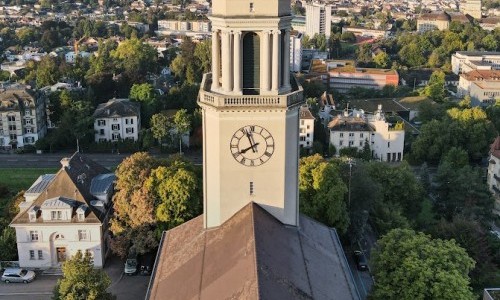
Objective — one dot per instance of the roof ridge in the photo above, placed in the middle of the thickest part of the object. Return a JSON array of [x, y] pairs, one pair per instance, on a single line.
[[255, 246]]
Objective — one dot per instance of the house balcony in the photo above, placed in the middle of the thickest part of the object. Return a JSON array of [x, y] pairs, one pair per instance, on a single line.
[[207, 97]]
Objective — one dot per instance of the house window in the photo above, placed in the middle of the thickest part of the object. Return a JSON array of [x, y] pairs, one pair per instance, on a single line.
[[131, 121], [34, 236], [361, 135], [101, 122], [130, 130], [388, 144], [82, 235], [308, 126], [126, 121], [11, 118], [40, 254], [28, 122], [351, 143], [32, 254], [115, 136], [341, 143], [251, 187], [301, 122], [341, 134], [27, 112], [81, 217], [32, 216], [27, 130], [252, 9], [56, 215], [302, 138], [101, 131], [115, 127], [12, 127], [13, 136], [360, 143], [351, 134]]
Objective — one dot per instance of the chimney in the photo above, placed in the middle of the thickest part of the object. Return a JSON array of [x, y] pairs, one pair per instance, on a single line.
[[65, 162]]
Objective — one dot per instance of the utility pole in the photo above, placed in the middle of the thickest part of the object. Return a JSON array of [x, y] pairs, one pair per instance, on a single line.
[[351, 162]]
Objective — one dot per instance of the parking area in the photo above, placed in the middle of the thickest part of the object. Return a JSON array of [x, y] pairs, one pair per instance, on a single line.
[[124, 287]]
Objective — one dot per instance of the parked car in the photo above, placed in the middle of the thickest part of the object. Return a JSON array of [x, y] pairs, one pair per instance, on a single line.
[[147, 262], [360, 259], [131, 264], [17, 275]]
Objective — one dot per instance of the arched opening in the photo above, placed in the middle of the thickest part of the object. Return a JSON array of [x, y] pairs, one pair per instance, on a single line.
[[251, 64]]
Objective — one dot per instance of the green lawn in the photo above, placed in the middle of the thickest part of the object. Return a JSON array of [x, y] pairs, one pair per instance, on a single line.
[[21, 179]]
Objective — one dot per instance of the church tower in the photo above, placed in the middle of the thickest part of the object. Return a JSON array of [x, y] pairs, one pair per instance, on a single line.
[[250, 105]]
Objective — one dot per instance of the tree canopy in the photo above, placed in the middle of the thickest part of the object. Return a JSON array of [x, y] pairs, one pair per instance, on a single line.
[[412, 265], [81, 281]]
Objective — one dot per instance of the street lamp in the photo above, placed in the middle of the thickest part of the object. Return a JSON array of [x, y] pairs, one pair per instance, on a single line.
[[351, 162]]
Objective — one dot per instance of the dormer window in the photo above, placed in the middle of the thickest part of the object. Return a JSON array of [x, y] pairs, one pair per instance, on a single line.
[[56, 215], [32, 213], [80, 213]]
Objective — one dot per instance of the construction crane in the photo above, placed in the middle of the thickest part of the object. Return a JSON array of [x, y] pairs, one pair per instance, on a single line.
[[76, 44]]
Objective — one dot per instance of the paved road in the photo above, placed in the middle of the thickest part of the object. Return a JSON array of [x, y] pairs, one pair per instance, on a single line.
[[362, 279], [124, 287], [53, 160]]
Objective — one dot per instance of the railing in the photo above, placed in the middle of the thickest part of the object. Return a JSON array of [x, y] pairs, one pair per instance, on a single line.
[[293, 98]]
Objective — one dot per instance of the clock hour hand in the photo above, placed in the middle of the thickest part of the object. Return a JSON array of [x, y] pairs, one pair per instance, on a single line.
[[251, 147]]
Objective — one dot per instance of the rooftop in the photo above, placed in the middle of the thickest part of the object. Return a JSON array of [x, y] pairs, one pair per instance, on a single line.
[[305, 113], [482, 75], [251, 256], [117, 108]]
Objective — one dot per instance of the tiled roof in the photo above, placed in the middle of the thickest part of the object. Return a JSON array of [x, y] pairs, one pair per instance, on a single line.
[[117, 108], [441, 16], [251, 256], [305, 113], [482, 75], [73, 182]]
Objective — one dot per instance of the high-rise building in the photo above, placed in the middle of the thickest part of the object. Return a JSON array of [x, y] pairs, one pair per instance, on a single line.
[[472, 8], [318, 19], [251, 242]]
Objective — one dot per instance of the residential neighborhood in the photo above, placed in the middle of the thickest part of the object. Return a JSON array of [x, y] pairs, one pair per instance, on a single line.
[[317, 149]]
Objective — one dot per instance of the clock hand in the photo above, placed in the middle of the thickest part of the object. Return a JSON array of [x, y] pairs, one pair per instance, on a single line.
[[250, 140], [246, 149]]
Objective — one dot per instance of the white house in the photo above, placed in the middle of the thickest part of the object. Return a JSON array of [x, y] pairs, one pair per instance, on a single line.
[[64, 213], [466, 61], [306, 127], [70, 57], [117, 119], [493, 178], [386, 141]]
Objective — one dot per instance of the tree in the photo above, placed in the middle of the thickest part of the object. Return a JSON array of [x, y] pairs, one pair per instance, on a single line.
[[160, 127], [382, 60], [410, 265], [474, 239], [178, 192], [135, 58], [81, 281], [47, 72], [364, 54], [348, 37], [8, 246], [322, 192], [145, 94], [182, 124], [435, 88], [411, 55]]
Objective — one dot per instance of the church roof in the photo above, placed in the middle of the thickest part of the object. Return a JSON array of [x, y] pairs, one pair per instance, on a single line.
[[251, 256]]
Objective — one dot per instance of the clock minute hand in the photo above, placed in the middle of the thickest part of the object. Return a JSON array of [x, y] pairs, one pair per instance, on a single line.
[[250, 140], [246, 149]]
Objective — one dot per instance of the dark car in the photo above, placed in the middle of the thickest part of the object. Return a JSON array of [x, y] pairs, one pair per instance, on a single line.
[[360, 259], [147, 262]]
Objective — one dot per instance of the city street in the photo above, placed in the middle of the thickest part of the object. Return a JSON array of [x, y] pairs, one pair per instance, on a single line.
[[123, 287], [52, 160]]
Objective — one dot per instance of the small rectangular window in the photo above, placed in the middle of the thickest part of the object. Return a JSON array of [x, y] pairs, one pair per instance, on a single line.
[[251, 7], [82, 235], [32, 254], [388, 144], [40, 254], [251, 187], [34, 235]]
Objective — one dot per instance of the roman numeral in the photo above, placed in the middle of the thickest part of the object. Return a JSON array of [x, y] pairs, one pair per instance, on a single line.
[[252, 128], [252, 163], [268, 154]]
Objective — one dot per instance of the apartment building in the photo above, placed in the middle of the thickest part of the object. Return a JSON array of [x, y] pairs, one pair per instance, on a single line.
[[472, 8], [484, 93], [466, 61], [318, 19], [357, 128], [306, 128], [23, 118], [467, 79], [189, 28], [344, 78], [431, 21], [493, 178]]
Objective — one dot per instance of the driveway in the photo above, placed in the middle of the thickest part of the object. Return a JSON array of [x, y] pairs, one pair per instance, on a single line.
[[123, 287]]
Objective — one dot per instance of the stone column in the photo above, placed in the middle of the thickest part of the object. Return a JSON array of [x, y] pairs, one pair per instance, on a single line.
[[215, 60], [227, 79], [265, 62], [286, 61], [237, 58], [276, 61]]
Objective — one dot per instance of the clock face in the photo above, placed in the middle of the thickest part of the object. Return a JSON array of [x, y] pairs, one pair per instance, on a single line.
[[252, 145]]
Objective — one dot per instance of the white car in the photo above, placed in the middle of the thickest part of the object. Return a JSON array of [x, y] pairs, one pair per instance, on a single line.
[[17, 275]]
